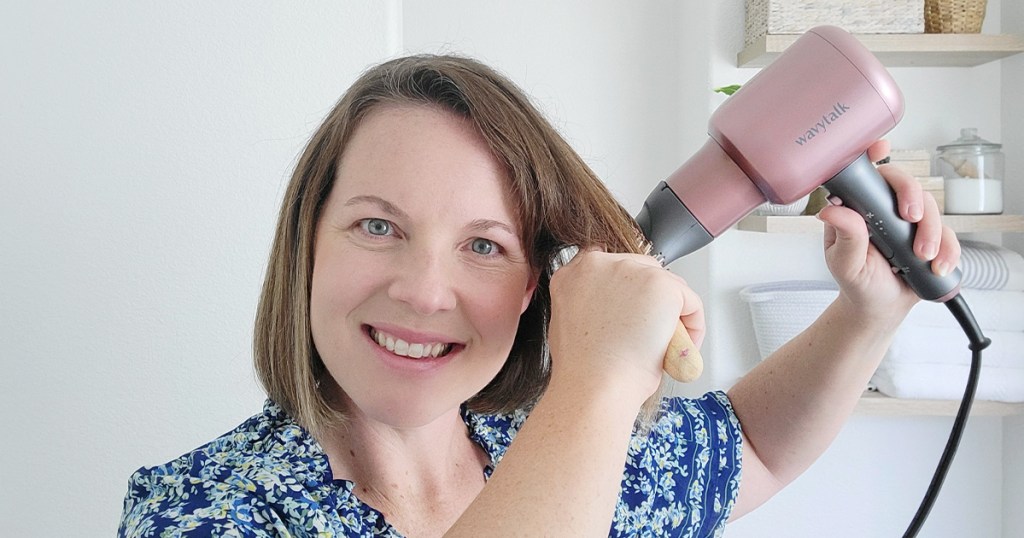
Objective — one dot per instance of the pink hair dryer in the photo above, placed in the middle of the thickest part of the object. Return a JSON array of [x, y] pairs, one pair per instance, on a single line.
[[805, 120]]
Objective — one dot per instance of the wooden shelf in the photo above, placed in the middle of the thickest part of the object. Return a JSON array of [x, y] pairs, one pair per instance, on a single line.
[[809, 224], [904, 50], [873, 403]]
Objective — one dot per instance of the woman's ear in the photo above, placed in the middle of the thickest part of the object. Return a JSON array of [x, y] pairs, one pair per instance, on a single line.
[[531, 287]]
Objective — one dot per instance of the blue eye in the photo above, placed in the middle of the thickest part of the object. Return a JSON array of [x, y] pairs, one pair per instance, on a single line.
[[484, 247], [376, 226]]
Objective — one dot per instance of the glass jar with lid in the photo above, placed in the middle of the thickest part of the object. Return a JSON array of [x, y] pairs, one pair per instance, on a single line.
[[972, 172]]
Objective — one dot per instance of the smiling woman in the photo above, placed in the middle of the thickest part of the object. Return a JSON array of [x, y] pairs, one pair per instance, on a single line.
[[427, 376], [553, 200], [401, 333]]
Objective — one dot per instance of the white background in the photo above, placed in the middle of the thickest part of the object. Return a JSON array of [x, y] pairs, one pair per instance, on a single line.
[[145, 148]]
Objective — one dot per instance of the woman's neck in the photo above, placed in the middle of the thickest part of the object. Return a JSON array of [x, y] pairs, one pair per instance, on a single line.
[[409, 474]]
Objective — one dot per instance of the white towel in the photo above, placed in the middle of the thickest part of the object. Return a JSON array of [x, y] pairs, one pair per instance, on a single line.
[[995, 310], [933, 363], [934, 345], [990, 267], [948, 381]]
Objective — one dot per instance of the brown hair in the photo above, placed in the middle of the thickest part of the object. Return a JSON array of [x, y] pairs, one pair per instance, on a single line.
[[559, 201]]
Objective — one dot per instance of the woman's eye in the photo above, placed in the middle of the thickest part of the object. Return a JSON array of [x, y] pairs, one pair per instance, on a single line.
[[484, 247], [376, 226]]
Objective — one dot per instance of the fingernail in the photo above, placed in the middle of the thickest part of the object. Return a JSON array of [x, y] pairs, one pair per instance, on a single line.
[[930, 250], [883, 160], [940, 268], [915, 212]]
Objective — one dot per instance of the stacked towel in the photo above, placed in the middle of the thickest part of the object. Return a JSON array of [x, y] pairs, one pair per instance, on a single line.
[[990, 267], [929, 358], [932, 363], [994, 310]]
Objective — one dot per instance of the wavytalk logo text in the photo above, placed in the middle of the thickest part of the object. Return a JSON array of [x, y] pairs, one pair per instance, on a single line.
[[827, 118]]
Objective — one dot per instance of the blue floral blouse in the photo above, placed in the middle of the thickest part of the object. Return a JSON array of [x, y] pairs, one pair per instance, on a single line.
[[269, 477]]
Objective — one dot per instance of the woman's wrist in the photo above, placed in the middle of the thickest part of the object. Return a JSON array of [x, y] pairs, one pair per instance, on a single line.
[[623, 391], [880, 319]]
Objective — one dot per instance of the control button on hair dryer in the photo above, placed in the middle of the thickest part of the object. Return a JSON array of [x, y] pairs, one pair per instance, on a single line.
[[864, 190], [878, 238]]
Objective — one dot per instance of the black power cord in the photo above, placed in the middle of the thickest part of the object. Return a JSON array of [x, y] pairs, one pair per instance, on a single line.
[[958, 306]]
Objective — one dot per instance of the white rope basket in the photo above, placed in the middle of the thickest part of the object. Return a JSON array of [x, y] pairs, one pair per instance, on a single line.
[[782, 310]]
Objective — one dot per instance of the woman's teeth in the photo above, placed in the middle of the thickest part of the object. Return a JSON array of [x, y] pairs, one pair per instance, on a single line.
[[405, 349]]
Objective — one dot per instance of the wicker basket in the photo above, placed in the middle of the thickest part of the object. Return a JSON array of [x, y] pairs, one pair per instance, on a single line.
[[781, 310], [856, 16], [795, 208], [954, 16]]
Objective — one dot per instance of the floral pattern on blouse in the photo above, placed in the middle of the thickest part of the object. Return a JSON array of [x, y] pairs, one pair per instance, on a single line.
[[269, 477]]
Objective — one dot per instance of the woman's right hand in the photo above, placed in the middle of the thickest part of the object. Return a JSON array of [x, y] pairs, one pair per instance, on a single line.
[[612, 316]]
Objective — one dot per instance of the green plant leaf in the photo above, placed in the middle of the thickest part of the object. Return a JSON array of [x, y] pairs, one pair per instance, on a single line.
[[728, 90]]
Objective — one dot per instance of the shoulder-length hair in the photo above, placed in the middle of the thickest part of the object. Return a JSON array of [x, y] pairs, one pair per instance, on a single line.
[[558, 200]]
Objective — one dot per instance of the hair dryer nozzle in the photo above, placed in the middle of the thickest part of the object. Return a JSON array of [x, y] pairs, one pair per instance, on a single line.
[[669, 226], [716, 193]]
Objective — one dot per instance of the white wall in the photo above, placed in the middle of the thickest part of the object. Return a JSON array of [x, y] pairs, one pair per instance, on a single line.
[[145, 149], [1013, 146]]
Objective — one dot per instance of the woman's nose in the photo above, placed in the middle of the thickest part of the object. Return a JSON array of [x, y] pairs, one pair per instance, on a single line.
[[425, 281]]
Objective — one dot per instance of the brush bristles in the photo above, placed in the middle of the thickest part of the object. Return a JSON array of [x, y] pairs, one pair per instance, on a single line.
[[646, 247], [566, 254], [563, 256]]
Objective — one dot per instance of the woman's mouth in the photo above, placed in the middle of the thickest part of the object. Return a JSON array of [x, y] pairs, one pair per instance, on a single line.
[[411, 350]]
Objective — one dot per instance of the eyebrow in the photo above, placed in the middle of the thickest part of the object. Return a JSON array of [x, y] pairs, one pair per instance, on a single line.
[[385, 205], [481, 225], [486, 224]]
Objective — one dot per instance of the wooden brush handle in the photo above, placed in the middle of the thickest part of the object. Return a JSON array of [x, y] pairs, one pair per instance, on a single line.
[[682, 358]]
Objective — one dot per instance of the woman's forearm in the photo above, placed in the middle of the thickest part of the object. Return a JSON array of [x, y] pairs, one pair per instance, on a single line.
[[794, 403], [563, 472]]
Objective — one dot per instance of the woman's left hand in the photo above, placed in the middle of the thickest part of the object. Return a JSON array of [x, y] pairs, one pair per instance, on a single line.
[[863, 274]]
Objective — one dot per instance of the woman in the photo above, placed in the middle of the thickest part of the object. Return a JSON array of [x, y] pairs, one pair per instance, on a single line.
[[408, 330]]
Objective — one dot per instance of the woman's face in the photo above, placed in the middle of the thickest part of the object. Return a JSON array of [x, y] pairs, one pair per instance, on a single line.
[[419, 276]]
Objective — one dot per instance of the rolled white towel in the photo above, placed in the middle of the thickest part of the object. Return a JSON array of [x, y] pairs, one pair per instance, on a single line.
[[995, 310], [934, 345], [990, 267], [948, 381]]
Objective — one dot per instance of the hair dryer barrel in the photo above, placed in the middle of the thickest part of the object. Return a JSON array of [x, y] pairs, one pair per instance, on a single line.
[[716, 191]]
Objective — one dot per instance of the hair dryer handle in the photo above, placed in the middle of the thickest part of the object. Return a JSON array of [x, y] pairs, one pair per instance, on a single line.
[[864, 190]]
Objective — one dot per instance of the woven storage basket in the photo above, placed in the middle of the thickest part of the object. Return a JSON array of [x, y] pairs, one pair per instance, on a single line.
[[856, 16], [954, 16], [782, 310], [795, 208]]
